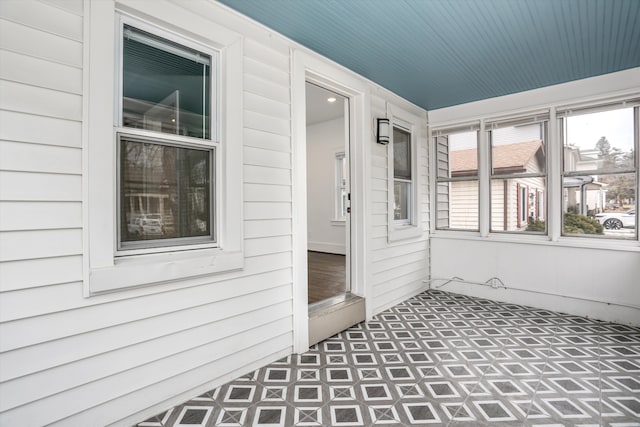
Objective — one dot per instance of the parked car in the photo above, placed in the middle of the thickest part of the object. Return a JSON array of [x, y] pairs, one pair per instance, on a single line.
[[143, 226], [617, 220]]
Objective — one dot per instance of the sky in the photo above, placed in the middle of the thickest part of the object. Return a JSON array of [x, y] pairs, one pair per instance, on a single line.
[[585, 130]]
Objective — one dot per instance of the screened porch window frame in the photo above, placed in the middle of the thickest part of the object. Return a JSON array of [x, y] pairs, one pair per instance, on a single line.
[[448, 180], [541, 118], [563, 114], [552, 203]]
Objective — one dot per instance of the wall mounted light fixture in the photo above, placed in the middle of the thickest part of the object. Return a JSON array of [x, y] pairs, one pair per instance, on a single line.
[[382, 134]]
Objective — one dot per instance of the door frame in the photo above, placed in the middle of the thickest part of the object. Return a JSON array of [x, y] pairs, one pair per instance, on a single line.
[[305, 67]]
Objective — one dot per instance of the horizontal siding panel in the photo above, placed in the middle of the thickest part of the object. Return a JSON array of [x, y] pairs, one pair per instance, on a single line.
[[22, 127], [62, 405], [266, 106], [98, 316], [225, 369], [262, 157], [39, 272], [35, 100], [379, 161], [379, 208], [59, 379], [267, 210], [397, 295], [72, 6], [39, 72], [265, 54], [409, 267], [267, 89], [18, 156], [91, 341], [40, 44], [398, 260], [378, 184], [21, 245], [15, 186], [379, 196], [379, 173], [266, 193], [265, 140], [394, 285], [40, 215], [266, 71], [43, 17], [267, 123], [266, 175], [52, 299], [267, 245], [267, 228]]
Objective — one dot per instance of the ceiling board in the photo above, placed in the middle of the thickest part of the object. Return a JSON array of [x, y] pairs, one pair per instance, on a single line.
[[438, 53]]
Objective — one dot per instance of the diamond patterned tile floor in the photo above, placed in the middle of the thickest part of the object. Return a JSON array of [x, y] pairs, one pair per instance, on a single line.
[[441, 359]]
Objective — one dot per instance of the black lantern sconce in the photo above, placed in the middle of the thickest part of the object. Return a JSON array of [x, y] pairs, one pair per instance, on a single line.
[[382, 135]]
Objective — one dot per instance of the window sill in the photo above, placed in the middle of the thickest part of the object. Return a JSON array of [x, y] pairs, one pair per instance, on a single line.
[[144, 270], [543, 240], [404, 232]]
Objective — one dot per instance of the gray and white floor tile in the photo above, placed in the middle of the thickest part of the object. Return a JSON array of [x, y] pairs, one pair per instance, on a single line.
[[440, 359]]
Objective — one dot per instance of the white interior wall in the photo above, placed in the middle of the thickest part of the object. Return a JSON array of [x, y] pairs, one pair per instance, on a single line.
[[579, 276], [324, 140]]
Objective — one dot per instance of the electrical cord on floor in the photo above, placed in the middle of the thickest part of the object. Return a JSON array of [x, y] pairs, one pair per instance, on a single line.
[[496, 283]]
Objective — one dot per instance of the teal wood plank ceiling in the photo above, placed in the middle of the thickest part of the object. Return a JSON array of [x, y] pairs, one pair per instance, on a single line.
[[438, 53]]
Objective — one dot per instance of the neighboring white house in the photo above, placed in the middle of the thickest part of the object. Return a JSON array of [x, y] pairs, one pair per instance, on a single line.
[[106, 322]]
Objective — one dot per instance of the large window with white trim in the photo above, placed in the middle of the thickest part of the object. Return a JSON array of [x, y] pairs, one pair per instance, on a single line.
[[600, 171], [457, 196], [166, 140]]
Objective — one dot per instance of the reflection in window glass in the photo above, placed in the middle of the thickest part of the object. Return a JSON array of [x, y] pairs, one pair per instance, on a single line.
[[518, 184], [457, 196], [165, 86], [599, 183], [165, 191], [402, 175]]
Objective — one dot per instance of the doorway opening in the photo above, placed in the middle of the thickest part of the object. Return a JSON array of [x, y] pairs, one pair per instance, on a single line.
[[332, 306]]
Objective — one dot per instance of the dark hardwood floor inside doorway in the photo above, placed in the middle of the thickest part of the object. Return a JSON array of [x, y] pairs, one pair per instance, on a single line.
[[327, 275]]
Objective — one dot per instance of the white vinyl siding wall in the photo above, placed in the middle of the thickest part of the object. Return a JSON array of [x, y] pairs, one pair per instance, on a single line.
[[120, 357], [397, 269], [90, 361]]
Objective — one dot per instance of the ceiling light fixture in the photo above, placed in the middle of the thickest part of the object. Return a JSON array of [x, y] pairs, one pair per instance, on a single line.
[[331, 100]]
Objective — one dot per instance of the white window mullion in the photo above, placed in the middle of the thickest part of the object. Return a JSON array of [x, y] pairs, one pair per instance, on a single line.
[[484, 181]]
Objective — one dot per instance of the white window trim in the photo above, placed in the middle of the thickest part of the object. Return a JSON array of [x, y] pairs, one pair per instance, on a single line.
[[400, 230], [103, 270]]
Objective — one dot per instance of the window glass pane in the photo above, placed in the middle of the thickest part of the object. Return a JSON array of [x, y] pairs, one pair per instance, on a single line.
[[600, 205], [166, 86], [401, 192], [457, 201], [518, 149], [461, 211], [165, 191], [401, 154], [461, 155], [601, 141], [518, 204]]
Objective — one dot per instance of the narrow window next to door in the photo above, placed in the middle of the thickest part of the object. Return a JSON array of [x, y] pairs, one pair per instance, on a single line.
[[402, 176]]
